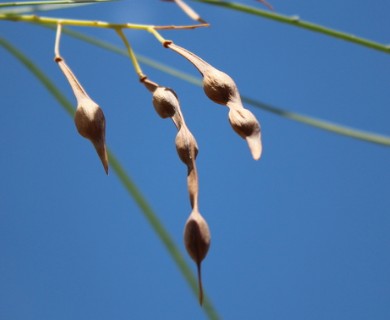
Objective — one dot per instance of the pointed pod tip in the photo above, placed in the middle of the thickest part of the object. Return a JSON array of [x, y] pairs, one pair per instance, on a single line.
[[245, 124], [255, 145], [200, 286], [101, 150], [197, 242]]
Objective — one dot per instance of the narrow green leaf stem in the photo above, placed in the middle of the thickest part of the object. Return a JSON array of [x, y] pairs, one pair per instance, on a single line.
[[131, 54], [296, 21], [322, 124], [72, 22], [126, 181], [31, 18], [38, 3]]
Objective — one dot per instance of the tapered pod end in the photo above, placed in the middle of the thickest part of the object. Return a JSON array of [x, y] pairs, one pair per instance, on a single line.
[[197, 240], [101, 150], [244, 123]]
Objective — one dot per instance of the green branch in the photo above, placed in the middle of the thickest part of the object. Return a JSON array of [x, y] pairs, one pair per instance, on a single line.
[[126, 181], [296, 21], [38, 3]]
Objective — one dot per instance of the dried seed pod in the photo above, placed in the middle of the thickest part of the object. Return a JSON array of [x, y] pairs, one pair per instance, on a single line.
[[165, 102], [186, 146], [218, 86], [245, 124], [221, 88], [197, 240], [89, 117], [91, 124]]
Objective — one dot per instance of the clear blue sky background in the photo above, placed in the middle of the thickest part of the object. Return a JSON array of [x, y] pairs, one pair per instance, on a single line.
[[301, 234]]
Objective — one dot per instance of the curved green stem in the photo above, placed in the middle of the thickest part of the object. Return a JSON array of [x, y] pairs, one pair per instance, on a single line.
[[126, 181], [296, 21]]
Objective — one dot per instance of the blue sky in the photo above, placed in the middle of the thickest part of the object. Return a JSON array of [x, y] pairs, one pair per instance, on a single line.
[[301, 234]]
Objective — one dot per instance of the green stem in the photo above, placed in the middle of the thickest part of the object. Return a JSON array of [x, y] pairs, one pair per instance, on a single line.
[[126, 181], [47, 21], [72, 22], [322, 124], [37, 3], [296, 21], [131, 53]]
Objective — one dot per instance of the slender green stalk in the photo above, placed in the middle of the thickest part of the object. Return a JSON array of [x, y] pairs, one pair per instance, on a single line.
[[322, 124], [308, 120], [296, 21], [47, 21], [157, 35], [131, 53], [38, 3], [126, 181], [39, 74], [72, 22]]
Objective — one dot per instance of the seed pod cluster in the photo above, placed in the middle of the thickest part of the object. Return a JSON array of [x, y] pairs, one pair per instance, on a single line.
[[220, 88], [196, 231], [89, 117]]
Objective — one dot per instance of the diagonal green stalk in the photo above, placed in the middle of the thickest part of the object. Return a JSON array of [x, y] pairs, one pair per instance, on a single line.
[[125, 179], [38, 3], [296, 21], [322, 124], [308, 120]]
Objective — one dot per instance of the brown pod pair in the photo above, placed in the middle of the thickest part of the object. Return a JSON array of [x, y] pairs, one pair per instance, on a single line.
[[221, 89]]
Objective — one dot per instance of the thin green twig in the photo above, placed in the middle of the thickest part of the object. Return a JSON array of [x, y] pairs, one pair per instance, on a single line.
[[322, 124], [131, 54], [47, 21], [296, 21], [39, 3], [125, 179], [308, 120]]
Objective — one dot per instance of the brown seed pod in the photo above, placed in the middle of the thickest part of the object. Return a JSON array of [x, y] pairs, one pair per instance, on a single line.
[[245, 124], [186, 146], [91, 124], [197, 240], [219, 87], [89, 118], [165, 102]]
